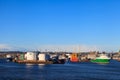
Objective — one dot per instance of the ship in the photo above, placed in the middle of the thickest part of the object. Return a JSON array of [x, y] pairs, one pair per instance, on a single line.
[[74, 57], [9, 58], [103, 58]]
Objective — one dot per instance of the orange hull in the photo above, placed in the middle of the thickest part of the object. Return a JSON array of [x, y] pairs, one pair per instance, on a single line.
[[74, 58]]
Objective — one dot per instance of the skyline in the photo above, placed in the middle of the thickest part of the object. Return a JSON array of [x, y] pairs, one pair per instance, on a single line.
[[62, 24]]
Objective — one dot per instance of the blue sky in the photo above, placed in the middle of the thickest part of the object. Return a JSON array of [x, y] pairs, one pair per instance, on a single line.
[[36, 23]]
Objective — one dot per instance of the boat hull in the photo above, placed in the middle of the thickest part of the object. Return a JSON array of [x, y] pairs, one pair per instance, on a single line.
[[9, 59], [100, 61]]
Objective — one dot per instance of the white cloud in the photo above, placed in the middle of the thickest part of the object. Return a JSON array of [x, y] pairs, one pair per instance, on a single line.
[[6, 47], [79, 48], [55, 48], [68, 48]]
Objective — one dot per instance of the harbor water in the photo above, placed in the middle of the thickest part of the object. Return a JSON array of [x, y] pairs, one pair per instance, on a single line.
[[67, 71]]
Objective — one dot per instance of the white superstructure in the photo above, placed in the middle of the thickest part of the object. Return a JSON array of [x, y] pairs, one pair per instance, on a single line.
[[8, 56], [102, 56], [61, 57]]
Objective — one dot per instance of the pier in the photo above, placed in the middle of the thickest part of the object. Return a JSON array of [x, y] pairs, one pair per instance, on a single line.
[[33, 62]]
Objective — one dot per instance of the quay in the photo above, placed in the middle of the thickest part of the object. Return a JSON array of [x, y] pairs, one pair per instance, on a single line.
[[33, 62]]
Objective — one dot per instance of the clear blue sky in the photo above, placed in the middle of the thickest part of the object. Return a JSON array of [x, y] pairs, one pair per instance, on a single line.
[[60, 22]]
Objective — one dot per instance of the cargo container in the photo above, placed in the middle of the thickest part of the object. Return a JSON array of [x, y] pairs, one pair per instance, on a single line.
[[43, 57], [31, 56], [22, 57]]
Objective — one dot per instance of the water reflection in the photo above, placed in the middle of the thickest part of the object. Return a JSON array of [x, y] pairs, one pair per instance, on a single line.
[[41, 66], [29, 65]]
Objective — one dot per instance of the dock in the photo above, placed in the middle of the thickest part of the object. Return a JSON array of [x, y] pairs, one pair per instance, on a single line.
[[33, 62]]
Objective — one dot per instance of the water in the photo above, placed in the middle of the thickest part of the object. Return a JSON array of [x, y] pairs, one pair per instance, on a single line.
[[68, 71]]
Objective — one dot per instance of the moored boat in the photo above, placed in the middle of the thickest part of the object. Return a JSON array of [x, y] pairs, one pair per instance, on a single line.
[[9, 58], [74, 57], [103, 58]]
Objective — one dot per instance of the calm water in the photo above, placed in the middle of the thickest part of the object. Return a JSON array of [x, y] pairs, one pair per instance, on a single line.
[[68, 71]]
